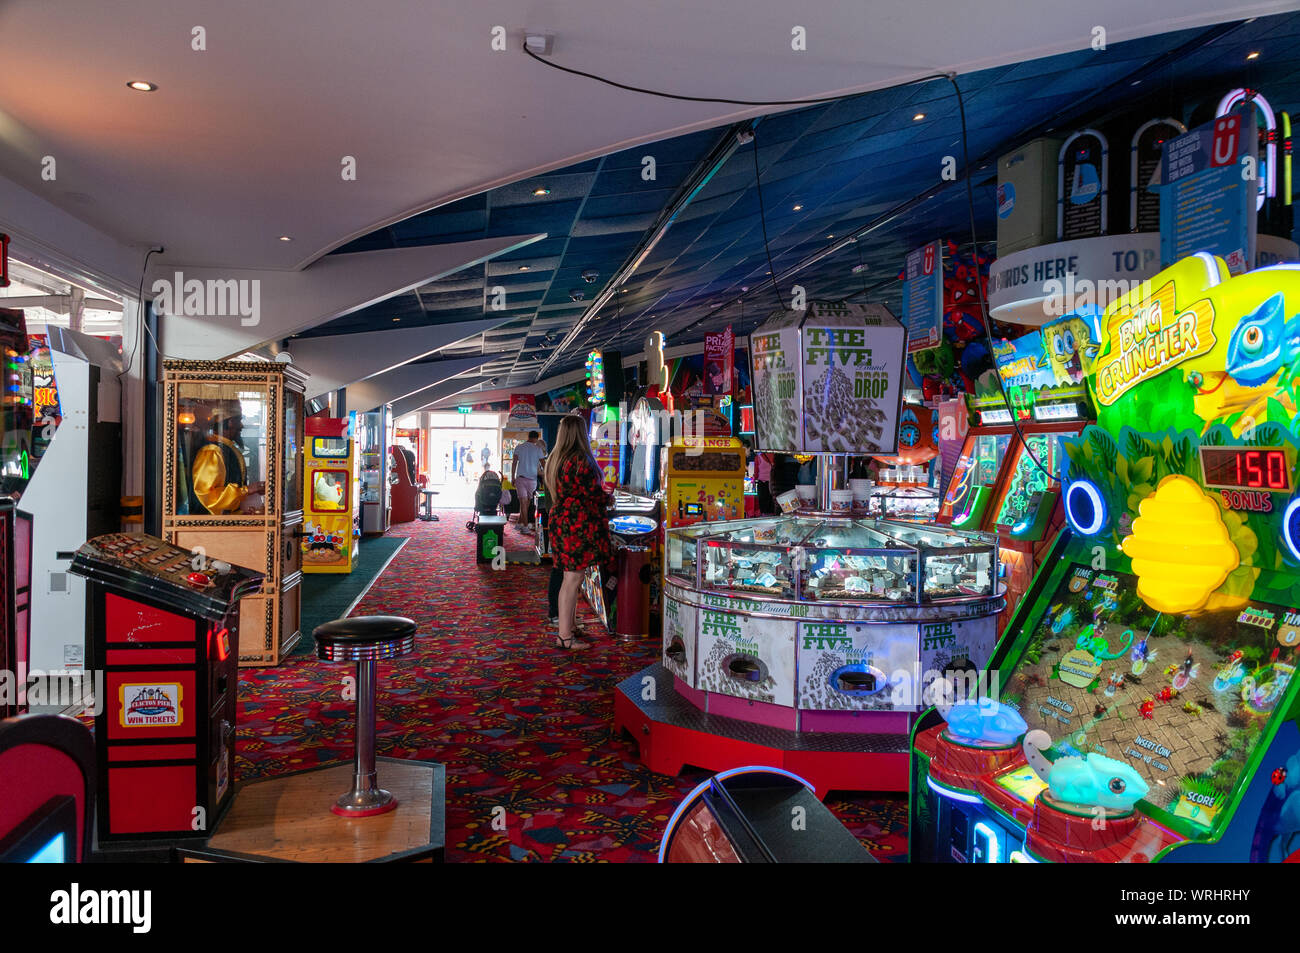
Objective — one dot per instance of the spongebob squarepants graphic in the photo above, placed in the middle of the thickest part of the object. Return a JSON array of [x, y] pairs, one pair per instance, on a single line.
[[1069, 346]]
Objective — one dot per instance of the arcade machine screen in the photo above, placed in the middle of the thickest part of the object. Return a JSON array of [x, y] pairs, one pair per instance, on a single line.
[[1180, 699], [1018, 507], [643, 470], [47, 836], [972, 480]]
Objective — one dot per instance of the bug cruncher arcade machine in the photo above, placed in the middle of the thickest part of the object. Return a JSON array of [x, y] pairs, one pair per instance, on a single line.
[[1147, 706]]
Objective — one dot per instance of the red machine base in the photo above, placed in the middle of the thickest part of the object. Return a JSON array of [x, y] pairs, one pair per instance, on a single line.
[[671, 733]]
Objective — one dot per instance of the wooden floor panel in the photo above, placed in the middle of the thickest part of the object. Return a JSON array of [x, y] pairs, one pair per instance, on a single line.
[[289, 818]]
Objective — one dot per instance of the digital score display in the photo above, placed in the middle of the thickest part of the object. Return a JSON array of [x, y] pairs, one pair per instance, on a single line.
[[1246, 468]]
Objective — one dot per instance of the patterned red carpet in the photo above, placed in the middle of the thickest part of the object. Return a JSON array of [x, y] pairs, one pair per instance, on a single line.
[[520, 724]]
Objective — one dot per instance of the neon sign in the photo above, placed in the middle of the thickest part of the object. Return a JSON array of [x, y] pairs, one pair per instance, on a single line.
[[1268, 180]]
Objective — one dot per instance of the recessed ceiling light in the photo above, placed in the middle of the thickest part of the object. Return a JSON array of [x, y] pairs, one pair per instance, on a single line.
[[541, 191], [523, 267], [1253, 55], [830, 236], [918, 117], [140, 86], [798, 208], [285, 238]]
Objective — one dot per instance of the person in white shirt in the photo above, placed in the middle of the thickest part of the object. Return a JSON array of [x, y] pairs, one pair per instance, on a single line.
[[523, 474]]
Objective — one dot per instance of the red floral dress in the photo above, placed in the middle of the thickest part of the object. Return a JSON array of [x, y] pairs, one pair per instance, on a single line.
[[579, 526]]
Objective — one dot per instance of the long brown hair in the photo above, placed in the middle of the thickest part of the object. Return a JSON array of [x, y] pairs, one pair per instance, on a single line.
[[570, 441]]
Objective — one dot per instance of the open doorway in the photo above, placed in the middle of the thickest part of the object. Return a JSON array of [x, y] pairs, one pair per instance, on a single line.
[[457, 458]]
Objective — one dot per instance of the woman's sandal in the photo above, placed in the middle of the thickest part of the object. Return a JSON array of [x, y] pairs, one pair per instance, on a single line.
[[573, 642]]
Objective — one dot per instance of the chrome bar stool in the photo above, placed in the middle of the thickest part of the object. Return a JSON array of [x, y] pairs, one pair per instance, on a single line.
[[365, 640]]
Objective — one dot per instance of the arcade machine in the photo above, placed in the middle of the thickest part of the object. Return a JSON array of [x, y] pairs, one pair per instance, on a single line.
[[47, 790], [76, 493], [1144, 706], [1005, 479], [743, 426], [606, 446], [704, 479], [520, 421], [15, 528], [232, 485], [376, 476], [168, 625], [631, 609], [332, 474], [743, 816]]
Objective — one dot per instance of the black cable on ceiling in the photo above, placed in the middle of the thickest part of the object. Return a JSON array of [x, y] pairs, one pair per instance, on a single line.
[[762, 218], [143, 314], [706, 99], [979, 285], [1088, 111]]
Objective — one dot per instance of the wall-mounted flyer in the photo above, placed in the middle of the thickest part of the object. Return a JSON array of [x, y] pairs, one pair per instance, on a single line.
[[1207, 203], [923, 297], [829, 379]]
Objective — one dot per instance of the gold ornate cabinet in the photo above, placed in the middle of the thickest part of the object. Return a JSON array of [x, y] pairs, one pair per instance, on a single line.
[[232, 485]]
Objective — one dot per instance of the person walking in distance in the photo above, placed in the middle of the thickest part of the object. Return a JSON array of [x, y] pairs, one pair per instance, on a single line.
[[523, 476], [577, 521]]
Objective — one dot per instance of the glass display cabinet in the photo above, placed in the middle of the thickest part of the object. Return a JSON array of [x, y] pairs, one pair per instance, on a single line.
[[808, 559], [812, 614], [232, 485], [918, 504], [376, 475]]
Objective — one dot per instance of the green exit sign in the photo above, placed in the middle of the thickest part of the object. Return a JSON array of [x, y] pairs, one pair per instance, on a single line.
[[463, 409]]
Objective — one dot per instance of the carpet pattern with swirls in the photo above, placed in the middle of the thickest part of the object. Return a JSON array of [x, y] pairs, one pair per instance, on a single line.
[[521, 725]]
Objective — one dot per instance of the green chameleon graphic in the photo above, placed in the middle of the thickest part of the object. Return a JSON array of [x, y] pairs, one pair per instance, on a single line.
[[1097, 645]]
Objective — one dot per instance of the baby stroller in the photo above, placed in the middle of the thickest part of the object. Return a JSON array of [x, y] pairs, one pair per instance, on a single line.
[[487, 498]]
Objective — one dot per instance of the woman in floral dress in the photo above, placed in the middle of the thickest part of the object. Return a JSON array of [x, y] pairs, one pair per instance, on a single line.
[[578, 522]]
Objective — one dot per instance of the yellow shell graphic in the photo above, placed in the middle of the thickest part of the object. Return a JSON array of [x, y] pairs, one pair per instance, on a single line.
[[1180, 547]]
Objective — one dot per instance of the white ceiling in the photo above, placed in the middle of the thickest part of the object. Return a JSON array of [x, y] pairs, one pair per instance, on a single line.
[[243, 142]]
